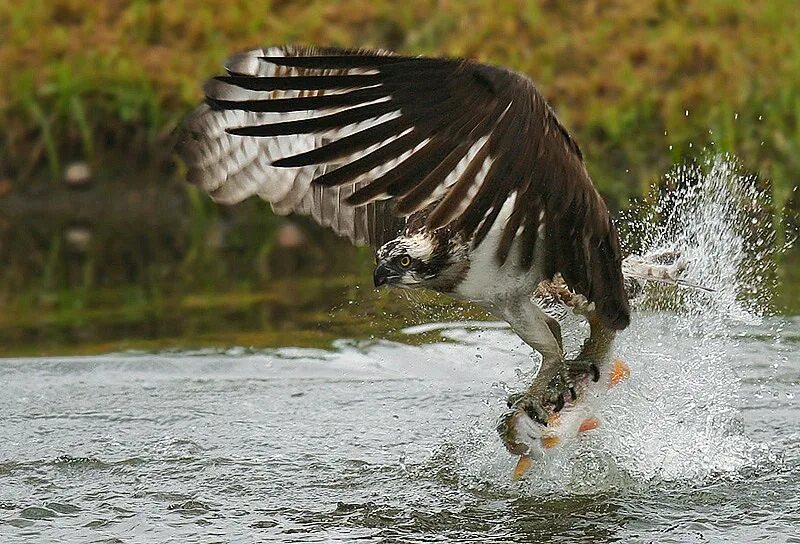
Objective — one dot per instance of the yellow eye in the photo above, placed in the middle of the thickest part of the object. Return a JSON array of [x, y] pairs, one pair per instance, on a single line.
[[405, 261]]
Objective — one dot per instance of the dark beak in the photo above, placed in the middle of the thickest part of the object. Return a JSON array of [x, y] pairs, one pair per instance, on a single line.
[[384, 274]]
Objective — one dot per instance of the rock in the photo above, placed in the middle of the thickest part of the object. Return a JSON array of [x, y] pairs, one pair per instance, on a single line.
[[77, 174], [290, 236], [78, 238]]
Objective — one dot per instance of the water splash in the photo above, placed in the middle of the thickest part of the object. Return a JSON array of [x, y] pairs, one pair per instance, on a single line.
[[677, 419], [720, 219]]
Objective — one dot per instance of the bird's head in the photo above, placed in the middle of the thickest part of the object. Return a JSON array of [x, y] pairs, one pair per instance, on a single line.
[[419, 260]]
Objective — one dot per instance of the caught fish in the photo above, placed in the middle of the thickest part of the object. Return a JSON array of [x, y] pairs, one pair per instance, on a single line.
[[575, 417]]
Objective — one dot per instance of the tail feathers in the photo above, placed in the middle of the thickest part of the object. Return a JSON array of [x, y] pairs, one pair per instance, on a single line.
[[662, 267]]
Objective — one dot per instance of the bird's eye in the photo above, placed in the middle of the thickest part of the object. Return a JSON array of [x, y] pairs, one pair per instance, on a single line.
[[405, 261]]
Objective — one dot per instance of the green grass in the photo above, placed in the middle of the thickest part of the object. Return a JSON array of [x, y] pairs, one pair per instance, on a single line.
[[622, 74]]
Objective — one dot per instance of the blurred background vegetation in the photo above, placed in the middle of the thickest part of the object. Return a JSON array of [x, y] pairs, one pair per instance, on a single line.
[[103, 247]]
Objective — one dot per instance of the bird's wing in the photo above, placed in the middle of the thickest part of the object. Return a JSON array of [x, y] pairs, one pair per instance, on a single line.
[[332, 132]]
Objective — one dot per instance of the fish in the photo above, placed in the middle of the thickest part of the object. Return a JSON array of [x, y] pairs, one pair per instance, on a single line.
[[575, 417]]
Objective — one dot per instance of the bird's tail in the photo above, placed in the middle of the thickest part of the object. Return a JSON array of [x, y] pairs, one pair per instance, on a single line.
[[668, 267]]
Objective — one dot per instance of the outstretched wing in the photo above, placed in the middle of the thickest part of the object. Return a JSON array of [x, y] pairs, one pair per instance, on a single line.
[[354, 138]]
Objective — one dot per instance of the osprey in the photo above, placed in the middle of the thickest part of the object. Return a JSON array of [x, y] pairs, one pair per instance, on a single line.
[[456, 173]]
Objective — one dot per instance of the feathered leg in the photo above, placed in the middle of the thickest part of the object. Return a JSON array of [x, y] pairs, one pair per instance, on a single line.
[[552, 382]]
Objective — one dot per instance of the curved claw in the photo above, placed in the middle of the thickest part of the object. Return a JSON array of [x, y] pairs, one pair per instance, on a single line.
[[536, 412], [513, 399], [579, 368], [595, 370]]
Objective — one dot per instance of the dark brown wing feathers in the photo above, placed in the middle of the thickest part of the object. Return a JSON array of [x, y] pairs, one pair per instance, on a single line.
[[426, 129]]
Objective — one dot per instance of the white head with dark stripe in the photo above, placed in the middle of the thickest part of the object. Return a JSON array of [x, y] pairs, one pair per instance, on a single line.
[[421, 259]]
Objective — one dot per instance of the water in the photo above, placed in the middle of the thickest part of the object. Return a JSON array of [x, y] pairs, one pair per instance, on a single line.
[[393, 442]]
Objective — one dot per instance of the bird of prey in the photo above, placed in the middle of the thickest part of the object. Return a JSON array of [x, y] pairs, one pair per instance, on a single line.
[[456, 173]]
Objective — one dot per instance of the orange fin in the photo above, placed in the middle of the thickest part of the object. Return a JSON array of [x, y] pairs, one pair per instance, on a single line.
[[522, 467], [550, 441], [589, 424], [619, 371]]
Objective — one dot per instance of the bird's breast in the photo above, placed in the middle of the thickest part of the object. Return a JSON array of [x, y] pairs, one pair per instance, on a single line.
[[493, 284]]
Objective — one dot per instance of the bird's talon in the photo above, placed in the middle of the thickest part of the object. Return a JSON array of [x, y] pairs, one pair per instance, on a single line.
[[513, 399], [581, 368], [535, 411]]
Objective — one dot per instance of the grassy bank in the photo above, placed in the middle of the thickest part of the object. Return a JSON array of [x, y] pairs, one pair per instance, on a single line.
[[641, 84]]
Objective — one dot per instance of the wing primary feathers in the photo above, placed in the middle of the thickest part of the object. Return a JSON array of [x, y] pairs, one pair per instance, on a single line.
[[409, 171], [362, 165], [301, 83], [448, 207], [515, 181], [303, 103], [471, 130], [486, 224], [345, 60], [527, 239], [346, 146], [505, 136], [316, 124], [403, 178]]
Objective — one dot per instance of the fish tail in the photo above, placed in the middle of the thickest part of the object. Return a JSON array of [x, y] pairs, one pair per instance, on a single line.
[[667, 266]]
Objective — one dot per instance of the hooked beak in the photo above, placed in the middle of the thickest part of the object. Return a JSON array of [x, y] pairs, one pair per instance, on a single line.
[[384, 274]]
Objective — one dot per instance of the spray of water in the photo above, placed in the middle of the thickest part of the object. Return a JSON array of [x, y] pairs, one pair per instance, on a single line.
[[677, 418]]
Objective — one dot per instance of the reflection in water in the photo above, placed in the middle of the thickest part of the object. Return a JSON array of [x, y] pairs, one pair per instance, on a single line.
[[141, 256], [140, 260]]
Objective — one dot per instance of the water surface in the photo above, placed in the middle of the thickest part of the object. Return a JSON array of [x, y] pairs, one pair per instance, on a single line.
[[390, 442]]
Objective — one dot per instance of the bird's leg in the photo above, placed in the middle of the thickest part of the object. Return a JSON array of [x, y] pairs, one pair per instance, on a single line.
[[595, 352], [535, 405], [580, 368], [596, 348]]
